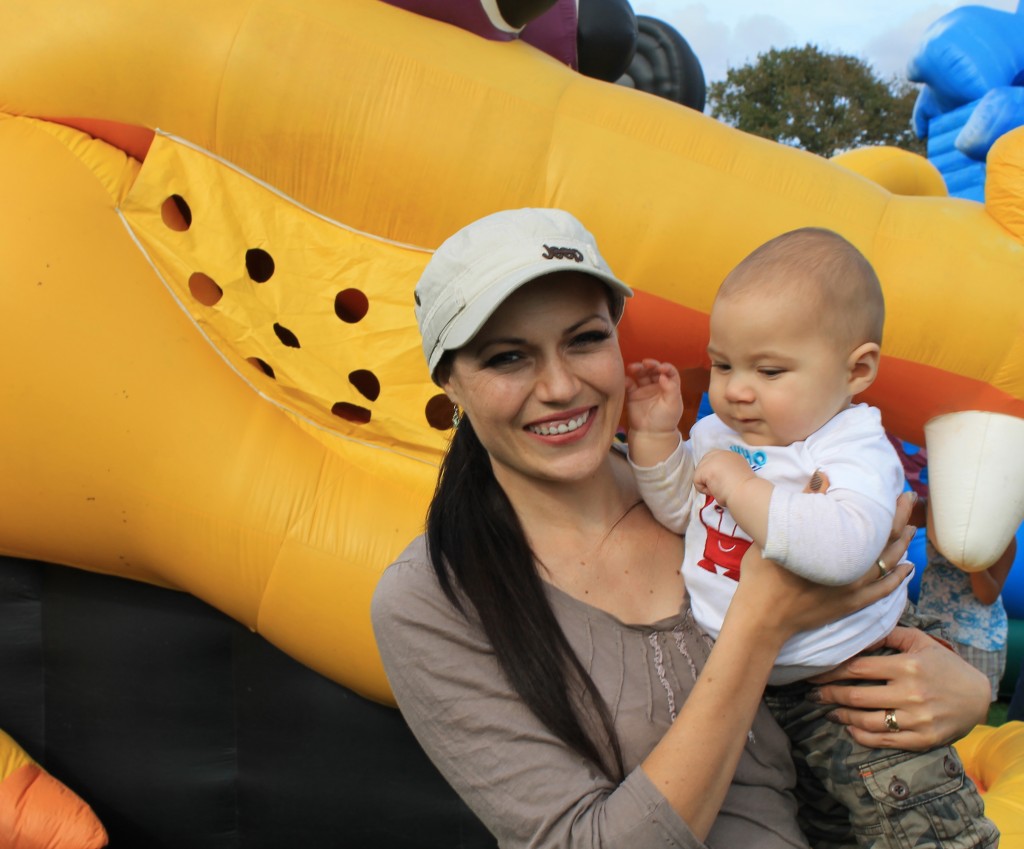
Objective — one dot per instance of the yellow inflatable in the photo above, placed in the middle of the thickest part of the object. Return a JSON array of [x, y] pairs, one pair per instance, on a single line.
[[899, 171], [214, 215], [994, 758]]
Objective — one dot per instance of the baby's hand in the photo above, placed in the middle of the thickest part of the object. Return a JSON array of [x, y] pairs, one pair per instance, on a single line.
[[654, 402], [718, 474]]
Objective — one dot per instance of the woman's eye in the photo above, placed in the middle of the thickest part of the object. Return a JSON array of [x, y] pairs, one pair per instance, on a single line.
[[590, 337], [502, 358]]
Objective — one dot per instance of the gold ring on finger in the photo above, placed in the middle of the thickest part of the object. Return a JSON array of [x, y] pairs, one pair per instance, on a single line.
[[890, 720]]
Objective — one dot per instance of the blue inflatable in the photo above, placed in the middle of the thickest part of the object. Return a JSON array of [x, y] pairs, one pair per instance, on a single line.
[[971, 62]]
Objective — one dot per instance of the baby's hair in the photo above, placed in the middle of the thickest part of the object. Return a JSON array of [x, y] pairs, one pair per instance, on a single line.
[[823, 268]]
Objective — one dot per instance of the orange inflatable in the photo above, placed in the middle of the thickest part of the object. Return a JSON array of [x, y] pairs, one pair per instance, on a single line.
[[39, 812]]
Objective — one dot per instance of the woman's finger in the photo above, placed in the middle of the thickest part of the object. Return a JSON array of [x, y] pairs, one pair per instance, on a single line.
[[901, 517], [870, 728], [889, 560], [880, 582]]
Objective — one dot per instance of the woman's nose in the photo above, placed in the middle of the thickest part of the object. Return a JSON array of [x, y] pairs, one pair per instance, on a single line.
[[557, 381]]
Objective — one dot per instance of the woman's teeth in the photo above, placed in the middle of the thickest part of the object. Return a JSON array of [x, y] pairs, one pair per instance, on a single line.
[[561, 427]]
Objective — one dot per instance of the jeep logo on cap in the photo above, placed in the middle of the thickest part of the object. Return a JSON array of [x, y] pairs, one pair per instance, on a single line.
[[562, 253]]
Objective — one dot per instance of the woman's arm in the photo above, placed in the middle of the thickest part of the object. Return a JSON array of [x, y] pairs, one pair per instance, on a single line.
[[694, 762]]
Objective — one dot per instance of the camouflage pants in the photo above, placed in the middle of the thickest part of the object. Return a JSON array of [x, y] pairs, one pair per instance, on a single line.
[[852, 796]]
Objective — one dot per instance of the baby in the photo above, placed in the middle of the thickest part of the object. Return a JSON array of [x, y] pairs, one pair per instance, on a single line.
[[796, 329]]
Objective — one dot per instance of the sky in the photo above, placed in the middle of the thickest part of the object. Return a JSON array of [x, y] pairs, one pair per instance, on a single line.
[[731, 33]]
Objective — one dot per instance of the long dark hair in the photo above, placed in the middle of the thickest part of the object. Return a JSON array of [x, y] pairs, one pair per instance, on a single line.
[[478, 548]]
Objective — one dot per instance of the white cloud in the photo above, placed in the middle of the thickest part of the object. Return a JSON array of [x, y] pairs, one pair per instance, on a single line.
[[732, 32], [758, 34]]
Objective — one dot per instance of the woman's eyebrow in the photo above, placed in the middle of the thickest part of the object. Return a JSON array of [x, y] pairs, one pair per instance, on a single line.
[[521, 340], [500, 340], [573, 327]]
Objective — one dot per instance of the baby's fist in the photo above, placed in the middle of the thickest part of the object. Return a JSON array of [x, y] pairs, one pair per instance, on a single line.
[[719, 472]]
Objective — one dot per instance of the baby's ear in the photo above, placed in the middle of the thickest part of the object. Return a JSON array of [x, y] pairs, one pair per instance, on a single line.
[[863, 366]]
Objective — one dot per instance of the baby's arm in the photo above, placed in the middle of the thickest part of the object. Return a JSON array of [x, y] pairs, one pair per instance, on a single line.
[[662, 464], [829, 539], [654, 406], [833, 539]]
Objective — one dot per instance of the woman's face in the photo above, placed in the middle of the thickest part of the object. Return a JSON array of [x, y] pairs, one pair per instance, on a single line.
[[542, 382]]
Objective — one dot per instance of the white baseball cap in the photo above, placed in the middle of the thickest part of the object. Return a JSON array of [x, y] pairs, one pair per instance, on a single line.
[[472, 273]]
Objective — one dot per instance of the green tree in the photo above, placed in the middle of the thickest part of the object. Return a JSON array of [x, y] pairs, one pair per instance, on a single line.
[[822, 102]]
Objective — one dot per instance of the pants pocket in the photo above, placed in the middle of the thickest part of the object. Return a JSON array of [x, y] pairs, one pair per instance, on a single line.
[[922, 800]]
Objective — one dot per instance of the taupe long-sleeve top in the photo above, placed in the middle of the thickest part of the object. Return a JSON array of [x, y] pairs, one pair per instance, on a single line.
[[525, 784]]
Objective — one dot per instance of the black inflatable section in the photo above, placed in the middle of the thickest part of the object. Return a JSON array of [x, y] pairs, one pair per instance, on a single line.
[[606, 38], [665, 65], [520, 12], [182, 729]]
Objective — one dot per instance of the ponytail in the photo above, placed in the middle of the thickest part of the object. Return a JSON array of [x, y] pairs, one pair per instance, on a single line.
[[480, 553]]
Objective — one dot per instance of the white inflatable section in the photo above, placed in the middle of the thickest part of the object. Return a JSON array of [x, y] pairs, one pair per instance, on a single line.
[[976, 485]]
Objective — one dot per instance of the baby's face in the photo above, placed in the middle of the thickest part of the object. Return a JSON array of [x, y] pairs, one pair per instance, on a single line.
[[776, 377]]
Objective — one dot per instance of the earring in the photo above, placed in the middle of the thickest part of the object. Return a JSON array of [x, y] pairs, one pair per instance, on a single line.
[[456, 418]]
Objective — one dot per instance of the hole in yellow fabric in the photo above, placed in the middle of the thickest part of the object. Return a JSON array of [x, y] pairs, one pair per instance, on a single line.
[[176, 213], [439, 412], [286, 336], [351, 412], [351, 305], [366, 382], [261, 365], [259, 264], [204, 289]]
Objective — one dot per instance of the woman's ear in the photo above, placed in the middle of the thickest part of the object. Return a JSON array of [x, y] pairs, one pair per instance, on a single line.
[[444, 378], [863, 366], [452, 395]]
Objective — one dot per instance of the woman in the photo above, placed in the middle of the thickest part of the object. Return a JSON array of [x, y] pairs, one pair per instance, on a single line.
[[538, 639]]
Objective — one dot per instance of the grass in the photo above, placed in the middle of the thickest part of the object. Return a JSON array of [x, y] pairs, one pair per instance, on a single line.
[[997, 712]]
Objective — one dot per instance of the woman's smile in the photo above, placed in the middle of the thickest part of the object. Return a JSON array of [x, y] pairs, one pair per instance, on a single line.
[[563, 424]]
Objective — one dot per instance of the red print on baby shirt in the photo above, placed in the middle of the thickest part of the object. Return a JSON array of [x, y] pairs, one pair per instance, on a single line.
[[723, 548]]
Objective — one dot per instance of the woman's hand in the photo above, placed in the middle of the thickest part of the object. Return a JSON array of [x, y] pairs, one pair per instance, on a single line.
[[786, 604], [929, 692], [932, 694]]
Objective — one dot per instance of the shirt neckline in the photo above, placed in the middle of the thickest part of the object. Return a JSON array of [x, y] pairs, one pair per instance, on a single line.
[[564, 599]]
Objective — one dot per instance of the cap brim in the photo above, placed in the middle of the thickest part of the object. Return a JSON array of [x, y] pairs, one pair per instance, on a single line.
[[475, 314]]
